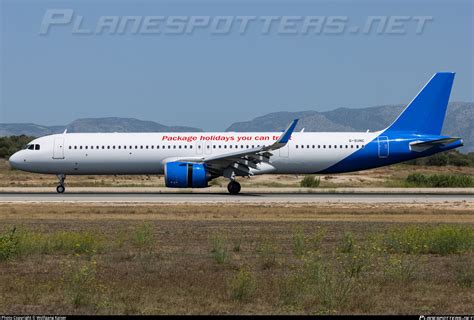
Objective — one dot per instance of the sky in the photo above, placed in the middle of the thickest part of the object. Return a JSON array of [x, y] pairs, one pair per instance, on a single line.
[[208, 77]]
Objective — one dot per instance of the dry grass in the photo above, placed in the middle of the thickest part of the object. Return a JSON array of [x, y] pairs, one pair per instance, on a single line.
[[158, 259], [392, 176]]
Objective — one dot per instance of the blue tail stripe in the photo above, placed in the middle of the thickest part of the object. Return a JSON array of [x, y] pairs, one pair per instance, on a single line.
[[425, 114]]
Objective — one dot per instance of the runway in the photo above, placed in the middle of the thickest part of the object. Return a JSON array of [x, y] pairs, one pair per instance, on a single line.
[[177, 198]]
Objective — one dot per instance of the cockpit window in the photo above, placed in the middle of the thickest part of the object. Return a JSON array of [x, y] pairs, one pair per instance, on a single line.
[[37, 146], [31, 147]]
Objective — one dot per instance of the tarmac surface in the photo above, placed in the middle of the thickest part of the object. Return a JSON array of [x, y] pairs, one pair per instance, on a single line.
[[188, 197]]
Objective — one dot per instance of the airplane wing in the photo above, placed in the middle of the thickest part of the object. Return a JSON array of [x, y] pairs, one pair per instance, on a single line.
[[420, 146], [241, 162]]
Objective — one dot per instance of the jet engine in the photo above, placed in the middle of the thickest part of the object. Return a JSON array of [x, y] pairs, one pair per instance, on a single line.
[[186, 175]]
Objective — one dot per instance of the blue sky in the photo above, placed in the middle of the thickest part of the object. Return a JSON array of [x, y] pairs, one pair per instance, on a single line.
[[210, 81]]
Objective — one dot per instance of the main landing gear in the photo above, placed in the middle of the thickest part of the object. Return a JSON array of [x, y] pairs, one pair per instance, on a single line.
[[60, 188], [233, 187]]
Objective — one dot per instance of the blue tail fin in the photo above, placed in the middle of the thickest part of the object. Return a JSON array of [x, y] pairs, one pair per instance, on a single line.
[[425, 114]]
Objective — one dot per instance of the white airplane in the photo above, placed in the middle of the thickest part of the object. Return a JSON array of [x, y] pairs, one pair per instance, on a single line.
[[191, 160]]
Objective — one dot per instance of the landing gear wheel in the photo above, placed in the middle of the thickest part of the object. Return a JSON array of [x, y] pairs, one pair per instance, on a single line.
[[60, 189], [233, 187]]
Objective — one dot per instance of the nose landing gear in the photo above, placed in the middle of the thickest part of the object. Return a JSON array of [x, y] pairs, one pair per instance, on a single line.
[[60, 188], [233, 187]]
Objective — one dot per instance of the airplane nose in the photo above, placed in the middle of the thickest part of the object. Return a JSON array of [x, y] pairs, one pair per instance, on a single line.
[[15, 160]]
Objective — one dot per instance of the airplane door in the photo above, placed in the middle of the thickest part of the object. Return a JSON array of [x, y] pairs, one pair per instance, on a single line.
[[58, 148], [383, 147]]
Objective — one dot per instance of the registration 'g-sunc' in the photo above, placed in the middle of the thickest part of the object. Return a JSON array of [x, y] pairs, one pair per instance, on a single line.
[[191, 160]]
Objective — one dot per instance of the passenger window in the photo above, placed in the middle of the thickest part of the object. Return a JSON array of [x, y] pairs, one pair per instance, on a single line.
[[70, 147], [141, 147], [213, 147], [307, 146], [86, 147], [313, 146], [329, 146], [340, 146], [190, 147], [80, 147], [108, 147], [346, 146], [296, 146], [319, 146], [97, 147], [357, 146], [180, 146], [169, 147], [335, 147], [37, 146], [186, 146]]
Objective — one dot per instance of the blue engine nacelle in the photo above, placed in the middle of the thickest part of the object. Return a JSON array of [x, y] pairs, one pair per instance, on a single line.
[[186, 175]]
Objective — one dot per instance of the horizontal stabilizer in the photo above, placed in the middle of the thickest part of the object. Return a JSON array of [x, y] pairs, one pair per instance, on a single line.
[[421, 146]]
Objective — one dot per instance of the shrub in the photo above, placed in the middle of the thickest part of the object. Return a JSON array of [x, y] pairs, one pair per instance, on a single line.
[[23, 242], [464, 272], [8, 244], [443, 239], [79, 281], [219, 249], [142, 236], [402, 267], [268, 254], [291, 287], [439, 181], [242, 285], [298, 242], [347, 243], [310, 182]]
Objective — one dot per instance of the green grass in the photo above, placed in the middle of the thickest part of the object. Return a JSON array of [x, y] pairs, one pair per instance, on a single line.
[[219, 247], [439, 181], [242, 285], [443, 239], [310, 182], [23, 242]]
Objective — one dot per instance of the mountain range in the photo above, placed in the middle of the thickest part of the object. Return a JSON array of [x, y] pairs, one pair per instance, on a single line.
[[459, 122]]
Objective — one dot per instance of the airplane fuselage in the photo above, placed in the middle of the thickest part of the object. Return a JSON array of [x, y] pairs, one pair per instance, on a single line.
[[146, 153]]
